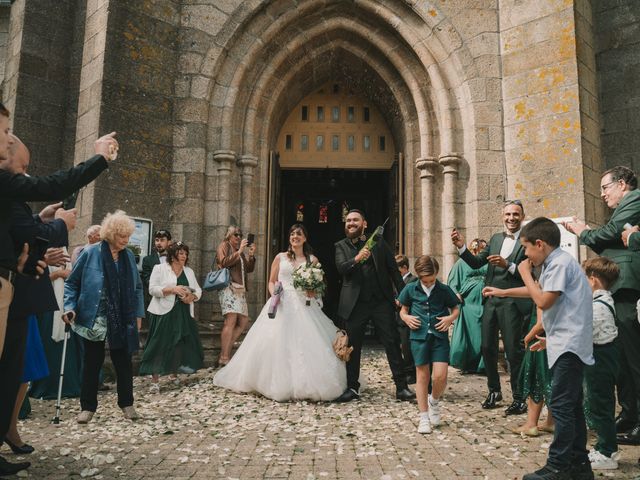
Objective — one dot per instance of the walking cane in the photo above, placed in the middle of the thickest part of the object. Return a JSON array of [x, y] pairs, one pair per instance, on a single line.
[[67, 327]]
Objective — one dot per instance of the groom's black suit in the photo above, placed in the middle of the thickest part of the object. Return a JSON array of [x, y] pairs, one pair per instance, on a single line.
[[368, 294]]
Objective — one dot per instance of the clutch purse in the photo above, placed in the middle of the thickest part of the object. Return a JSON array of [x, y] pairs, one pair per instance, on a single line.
[[216, 279], [341, 346], [274, 301]]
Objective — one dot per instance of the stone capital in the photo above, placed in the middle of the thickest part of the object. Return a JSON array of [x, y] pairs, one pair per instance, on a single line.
[[427, 166], [450, 162], [224, 158], [247, 163]]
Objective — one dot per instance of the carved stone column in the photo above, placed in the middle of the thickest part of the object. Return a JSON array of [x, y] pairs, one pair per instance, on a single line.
[[247, 163], [427, 167], [224, 159], [450, 163]]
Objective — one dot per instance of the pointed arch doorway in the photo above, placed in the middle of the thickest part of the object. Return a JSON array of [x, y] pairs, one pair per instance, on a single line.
[[334, 152]]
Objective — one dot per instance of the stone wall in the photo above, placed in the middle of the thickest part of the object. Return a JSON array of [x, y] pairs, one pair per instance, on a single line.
[[37, 78], [126, 85], [617, 28], [543, 159], [5, 14]]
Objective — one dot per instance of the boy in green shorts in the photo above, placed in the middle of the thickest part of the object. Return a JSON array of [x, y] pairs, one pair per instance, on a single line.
[[429, 308]]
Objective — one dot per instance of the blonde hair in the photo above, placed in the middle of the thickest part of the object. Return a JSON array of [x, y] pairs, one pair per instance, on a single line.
[[231, 230], [116, 223]]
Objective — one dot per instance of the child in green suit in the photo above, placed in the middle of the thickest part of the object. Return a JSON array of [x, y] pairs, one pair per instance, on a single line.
[[429, 308]]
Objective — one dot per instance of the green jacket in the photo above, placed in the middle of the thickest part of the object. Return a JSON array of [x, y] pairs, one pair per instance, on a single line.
[[606, 241], [634, 242]]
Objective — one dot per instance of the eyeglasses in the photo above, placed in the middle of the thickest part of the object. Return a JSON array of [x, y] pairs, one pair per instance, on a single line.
[[605, 187], [237, 235], [513, 202]]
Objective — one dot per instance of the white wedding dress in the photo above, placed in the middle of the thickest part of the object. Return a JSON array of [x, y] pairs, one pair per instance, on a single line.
[[289, 357]]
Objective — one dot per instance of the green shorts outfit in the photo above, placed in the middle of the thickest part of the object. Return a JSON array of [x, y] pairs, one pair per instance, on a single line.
[[428, 345]]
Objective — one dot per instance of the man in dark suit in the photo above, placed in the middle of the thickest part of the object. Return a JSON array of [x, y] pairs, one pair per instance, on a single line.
[[18, 187], [507, 315], [368, 281], [403, 330], [619, 190], [161, 241]]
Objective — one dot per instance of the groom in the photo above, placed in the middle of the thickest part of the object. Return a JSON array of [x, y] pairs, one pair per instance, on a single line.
[[368, 280]]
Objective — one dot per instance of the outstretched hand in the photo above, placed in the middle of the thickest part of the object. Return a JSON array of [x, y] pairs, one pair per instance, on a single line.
[[541, 344]]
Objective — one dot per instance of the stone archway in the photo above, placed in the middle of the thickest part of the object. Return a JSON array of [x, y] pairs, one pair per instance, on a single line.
[[411, 61]]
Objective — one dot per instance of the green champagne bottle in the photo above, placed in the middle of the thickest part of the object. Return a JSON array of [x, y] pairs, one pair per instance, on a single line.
[[373, 239]]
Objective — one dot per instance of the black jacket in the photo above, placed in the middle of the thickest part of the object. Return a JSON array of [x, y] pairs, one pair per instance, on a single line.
[[16, 187], [31, 295], [389, 277]]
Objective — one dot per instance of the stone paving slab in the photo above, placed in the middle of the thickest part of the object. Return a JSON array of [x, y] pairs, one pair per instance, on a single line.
[[197, 431]]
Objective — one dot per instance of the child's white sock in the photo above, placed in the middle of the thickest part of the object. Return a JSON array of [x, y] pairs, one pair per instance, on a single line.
[[433, 401], [424, 415]]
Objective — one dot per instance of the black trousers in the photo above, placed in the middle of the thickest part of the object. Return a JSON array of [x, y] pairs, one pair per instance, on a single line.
[[504, 316], [93, 360], [569, 444], [382, 314], [628, 342], [11, 368], [405, 346]]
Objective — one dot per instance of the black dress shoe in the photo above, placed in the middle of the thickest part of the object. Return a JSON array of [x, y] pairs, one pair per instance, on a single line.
[[348, 395], [405, 394], [23, 450], [623, 425], [492, 399], [516, 408], [581, 471], [548, 473], [631, 438], [7, 468]]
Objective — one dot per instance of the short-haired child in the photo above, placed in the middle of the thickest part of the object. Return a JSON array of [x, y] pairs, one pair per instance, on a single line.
[[564, 295], [600, 378], [429, 308]]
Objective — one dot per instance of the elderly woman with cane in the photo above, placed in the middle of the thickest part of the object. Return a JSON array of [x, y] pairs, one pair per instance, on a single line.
[[103, 299]]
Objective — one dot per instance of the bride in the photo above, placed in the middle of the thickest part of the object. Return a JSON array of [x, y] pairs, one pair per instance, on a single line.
[[289, 357]]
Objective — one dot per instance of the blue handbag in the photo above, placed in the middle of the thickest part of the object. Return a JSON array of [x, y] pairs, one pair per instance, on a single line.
[[216, 279]]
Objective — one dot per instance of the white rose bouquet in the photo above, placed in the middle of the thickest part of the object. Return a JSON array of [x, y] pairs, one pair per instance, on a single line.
[[309, 278]]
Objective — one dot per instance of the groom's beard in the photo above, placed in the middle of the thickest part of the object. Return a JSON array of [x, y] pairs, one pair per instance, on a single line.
[[354, 233]]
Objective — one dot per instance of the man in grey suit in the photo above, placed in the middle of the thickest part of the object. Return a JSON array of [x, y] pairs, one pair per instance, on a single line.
[[369, 278], [508, 315]]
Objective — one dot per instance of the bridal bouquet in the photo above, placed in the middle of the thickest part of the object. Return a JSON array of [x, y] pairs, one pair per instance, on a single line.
[[309, 278]]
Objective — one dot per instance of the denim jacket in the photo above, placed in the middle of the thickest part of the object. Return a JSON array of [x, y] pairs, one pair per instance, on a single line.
[[83, 288]]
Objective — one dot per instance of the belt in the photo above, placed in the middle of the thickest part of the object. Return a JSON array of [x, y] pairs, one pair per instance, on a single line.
[[7, 274]]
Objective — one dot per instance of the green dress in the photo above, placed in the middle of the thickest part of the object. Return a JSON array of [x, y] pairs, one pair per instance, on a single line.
[[174, 344], [466, 340], [535, 377]]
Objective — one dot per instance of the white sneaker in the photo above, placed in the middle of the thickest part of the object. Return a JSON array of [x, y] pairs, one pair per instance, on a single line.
[[599, 461], [425, 425], [434, 412]]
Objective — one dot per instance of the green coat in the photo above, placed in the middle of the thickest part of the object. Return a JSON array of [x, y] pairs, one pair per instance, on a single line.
[[634, 242], [606, 241]]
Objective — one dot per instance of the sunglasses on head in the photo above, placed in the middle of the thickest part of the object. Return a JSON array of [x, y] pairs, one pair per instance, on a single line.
[[513, 202]]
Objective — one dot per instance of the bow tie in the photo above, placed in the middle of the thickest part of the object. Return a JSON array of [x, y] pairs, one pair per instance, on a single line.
[[510, 235]]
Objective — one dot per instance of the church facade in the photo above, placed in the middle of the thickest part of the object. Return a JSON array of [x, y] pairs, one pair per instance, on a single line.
[[265, 113]]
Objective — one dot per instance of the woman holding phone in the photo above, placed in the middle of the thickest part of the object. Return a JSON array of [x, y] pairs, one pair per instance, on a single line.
[[174, 344], [238, 255]]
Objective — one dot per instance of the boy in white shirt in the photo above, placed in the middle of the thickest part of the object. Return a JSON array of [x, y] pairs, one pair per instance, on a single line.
[[600, 378]]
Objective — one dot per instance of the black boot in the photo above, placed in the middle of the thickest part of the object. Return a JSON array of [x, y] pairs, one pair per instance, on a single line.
[[7, 468]]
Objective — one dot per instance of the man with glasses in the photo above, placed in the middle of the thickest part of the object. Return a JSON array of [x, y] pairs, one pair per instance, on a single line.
[[507, 315], [619, 190]]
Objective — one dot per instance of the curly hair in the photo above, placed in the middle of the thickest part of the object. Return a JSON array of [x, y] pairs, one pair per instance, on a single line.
[[174, 248], [116, 223]]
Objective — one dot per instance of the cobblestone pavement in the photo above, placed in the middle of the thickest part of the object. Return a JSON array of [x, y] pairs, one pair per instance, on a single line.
[[197, 431]]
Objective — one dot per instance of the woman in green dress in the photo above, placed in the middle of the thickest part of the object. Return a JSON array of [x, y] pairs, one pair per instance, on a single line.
[[174, 344], [466, 352]]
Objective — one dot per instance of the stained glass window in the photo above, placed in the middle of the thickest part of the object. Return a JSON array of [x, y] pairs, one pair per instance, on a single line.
[[323, 214], [300, 212]]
